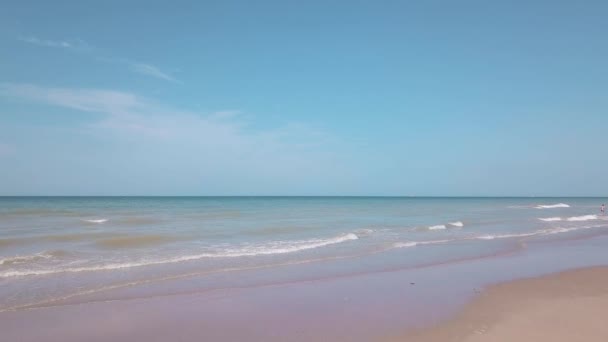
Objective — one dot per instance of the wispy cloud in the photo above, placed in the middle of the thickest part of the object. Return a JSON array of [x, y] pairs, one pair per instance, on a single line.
[[151, 70], [78, 45], [62, 44], [138, 116], [219, 150], [102, 101], [130, 113]]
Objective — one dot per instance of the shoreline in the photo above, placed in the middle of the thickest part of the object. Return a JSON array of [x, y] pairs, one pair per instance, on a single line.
[[400, 304], [565, 306]]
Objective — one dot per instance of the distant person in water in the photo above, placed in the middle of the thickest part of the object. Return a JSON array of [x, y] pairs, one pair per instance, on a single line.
[[603, 209]]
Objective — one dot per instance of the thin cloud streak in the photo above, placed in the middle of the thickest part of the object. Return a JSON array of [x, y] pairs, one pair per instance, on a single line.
[[151, 70], [218, 151], [145, 69], [124, 110], [102, 101], [76, 45]]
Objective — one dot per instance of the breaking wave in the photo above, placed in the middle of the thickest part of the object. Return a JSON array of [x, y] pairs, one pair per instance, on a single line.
[[552, 206], [437, 227], [550, 219], [542, 232], [24, 259], [418, 243], [582, 218], [458, 224], [277, 247], [96, 220]]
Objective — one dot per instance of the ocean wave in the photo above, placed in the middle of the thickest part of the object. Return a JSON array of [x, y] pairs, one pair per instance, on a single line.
[[276, 247], [559, 230], [23, 259], [458, 224], [502, 236], [550, 219], [582, 218], [552, 206], [542, 232], [418, 243], [96, 220], [405, 244], [281, 247], [437, 227]]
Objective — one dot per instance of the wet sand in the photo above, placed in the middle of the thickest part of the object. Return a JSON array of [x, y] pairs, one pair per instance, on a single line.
[[568, 306], [357, 307]]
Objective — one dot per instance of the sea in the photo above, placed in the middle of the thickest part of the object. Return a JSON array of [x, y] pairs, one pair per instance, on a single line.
[[69, 250]]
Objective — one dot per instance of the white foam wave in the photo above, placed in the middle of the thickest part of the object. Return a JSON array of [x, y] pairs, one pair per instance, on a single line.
[[282, 247], [502, 236], [21, 259], [550, 219], [277, 247], [552, 206], [405, 244], [418, 243], [456, 224], [582, 218], [559, 230], [541, 232], [437, 227], [96, 220]]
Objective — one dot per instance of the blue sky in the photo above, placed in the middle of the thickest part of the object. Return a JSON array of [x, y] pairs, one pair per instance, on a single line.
[[303, 98]]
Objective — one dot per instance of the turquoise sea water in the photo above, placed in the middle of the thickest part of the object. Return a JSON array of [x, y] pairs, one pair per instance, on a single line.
[[57, 249]]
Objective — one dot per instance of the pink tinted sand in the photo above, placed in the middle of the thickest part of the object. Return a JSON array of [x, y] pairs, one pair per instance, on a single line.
[[569, 306], [410, 305]]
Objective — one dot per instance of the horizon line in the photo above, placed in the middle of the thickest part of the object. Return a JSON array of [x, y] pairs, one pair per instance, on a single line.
[[325, 196]]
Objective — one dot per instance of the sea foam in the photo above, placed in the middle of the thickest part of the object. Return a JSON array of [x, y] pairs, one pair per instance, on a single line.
[[582, 218], [550, 219], [276, 247], [542, 232], [282, 247], [552, 206], [502, 236], [418, 243], [96, 220], [23, 259]]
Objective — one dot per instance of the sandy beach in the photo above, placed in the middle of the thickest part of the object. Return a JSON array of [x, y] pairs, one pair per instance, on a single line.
[[568, 306], [344, 171], [68, 275]]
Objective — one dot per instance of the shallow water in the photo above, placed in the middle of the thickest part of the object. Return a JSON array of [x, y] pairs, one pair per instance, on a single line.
[[68, 248]]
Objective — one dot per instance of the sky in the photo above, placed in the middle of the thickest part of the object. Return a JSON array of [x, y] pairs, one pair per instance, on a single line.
[[395, 98]]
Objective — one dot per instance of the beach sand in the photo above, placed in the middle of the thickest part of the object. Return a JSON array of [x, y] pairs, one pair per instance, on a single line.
[[568, 306]]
